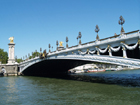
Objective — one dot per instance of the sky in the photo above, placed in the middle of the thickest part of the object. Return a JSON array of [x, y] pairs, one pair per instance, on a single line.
[[35, 24]]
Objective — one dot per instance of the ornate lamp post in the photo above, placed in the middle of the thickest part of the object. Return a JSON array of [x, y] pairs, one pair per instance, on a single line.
[[97, 30], [79, 36], [57, 44], [49, 48], [67, 42], [121, 22]]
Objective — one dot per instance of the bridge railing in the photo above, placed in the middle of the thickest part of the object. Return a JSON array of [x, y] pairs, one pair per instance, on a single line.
[[106, 38], [91, 42]]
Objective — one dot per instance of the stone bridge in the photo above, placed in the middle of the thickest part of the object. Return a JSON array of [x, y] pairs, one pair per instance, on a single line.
[[123, 49]]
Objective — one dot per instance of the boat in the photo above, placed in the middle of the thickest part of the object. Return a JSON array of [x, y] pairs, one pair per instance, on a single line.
[[114, 69], [73, 71], [95, 70], [78, 71]]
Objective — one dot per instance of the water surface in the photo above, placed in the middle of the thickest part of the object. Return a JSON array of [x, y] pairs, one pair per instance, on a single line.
[[26, 90]]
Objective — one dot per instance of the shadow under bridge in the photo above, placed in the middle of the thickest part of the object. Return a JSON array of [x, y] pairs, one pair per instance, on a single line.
[[52, 67]]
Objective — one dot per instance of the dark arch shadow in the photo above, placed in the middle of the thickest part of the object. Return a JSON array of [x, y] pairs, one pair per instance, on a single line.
[[53, 67]]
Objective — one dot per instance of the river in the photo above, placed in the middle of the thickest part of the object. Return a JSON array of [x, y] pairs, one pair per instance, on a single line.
[[28, 90]]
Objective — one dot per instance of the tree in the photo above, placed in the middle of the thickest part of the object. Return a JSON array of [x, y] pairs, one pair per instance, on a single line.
[[34, 54], [3, 56], [19, 60]]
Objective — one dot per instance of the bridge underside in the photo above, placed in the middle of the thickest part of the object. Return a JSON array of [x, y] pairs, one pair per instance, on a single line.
[[53, 67]]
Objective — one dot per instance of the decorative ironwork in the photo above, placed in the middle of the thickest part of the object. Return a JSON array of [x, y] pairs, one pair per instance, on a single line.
[[97, 30], [79, 36], [121, 22], [67, 42]]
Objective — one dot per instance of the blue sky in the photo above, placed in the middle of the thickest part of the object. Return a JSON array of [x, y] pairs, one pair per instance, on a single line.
[[36, 23]]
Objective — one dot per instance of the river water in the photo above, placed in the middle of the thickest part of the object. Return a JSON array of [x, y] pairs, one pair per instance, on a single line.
[[28, 90]]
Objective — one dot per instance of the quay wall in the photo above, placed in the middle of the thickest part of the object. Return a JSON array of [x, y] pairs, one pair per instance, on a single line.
[[11, 69]]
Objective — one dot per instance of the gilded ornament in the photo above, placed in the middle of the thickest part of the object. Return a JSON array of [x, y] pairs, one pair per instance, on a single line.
[[61, 44], [11, 39]]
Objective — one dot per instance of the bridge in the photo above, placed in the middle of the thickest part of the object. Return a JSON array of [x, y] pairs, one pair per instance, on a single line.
[[122, 49]]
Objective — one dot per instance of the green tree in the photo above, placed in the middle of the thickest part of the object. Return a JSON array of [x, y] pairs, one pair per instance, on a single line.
[[3, 56], [19, 60], [34, 54]]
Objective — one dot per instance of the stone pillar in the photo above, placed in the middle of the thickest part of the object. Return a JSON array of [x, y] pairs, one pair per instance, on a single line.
[[124, 52], [11, 59]]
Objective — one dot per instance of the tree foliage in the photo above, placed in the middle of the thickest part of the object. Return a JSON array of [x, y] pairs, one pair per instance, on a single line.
[[19, 60], [3, 56], [34, 54]]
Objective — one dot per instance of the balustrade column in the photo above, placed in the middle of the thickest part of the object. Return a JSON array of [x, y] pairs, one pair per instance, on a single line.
[[124, 52], [98, 53], [110, 52]]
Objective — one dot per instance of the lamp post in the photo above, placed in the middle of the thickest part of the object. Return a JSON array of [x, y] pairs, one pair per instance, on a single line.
[[49, 48], [67, 42], [57, 44], [79, 36], [121, 22], [97, 30]]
